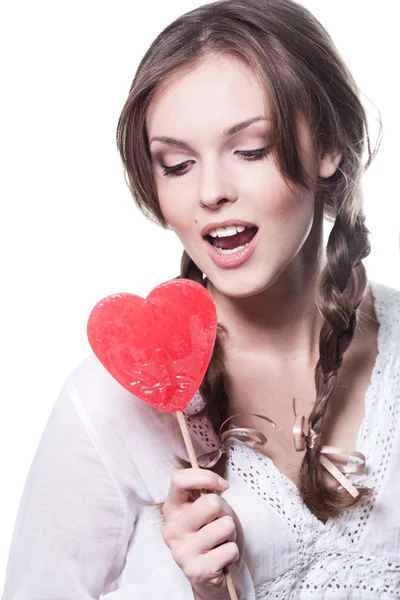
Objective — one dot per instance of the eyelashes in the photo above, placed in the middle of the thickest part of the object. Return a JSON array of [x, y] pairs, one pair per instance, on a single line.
[[249, 155]]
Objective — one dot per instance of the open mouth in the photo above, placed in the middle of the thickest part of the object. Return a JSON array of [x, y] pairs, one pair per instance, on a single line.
[[229, 240]]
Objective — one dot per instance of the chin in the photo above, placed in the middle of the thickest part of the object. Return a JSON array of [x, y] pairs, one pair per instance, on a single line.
[[236, 284]]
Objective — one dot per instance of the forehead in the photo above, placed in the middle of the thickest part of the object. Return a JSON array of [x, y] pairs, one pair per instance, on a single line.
[[217, 92]]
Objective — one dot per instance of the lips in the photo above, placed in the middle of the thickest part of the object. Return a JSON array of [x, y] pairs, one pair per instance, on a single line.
[[229, 259]]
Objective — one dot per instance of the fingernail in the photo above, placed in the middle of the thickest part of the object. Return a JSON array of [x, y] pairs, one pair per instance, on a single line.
[[223, 483]]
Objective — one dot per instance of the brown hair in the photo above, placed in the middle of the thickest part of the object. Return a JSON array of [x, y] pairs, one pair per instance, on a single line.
[[301, 70]]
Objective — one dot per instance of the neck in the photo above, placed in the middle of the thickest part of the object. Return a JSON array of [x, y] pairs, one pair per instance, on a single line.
[[282, 321]]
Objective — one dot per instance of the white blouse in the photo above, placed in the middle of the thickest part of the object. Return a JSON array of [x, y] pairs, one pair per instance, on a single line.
[[84, 528]]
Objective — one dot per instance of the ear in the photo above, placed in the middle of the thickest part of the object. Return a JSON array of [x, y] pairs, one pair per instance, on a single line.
[[328, 164]]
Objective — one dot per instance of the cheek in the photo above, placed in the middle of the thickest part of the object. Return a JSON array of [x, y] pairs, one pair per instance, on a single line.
[[168, 201], [175, 207], [294, 217], [286, 214], [278, 200]]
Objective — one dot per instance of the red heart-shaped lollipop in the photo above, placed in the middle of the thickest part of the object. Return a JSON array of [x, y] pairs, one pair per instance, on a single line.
[[157, 348]]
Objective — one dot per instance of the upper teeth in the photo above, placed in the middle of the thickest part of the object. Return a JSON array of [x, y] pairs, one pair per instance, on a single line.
[[226, 231]]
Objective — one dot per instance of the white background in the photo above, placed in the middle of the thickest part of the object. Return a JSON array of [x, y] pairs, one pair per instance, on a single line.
[[70, 234]]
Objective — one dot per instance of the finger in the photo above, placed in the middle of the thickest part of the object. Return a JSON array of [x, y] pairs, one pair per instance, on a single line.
[[203, 511], [209, 567], [184, 481], [220, 557], [193, 517], [211, 535]]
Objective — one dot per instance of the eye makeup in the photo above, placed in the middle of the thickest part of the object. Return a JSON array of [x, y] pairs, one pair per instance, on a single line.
[[249, 155]]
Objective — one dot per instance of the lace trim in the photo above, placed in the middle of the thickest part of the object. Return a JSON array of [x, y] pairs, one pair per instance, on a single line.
[[341, 572], [378, 430], [276, 490]]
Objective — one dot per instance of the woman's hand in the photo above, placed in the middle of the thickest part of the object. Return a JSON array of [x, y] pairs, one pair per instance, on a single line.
[[204, 535]]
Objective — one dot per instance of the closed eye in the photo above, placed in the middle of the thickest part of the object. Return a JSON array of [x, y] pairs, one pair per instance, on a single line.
[[249, 155]]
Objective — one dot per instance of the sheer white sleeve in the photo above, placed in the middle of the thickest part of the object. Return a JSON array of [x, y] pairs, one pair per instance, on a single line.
[[88, 527], [73, 524]]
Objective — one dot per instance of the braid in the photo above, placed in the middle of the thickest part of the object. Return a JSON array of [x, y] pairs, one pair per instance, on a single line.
[[189, 270], [341, 289], [212, 387]]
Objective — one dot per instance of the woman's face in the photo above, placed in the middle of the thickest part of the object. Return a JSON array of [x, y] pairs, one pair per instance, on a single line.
[[226, 177]]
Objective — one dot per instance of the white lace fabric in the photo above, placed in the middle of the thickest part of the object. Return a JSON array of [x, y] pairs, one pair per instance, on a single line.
[[356, 555]]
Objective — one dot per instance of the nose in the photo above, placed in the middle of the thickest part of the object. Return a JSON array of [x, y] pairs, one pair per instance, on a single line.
[[216, 188]]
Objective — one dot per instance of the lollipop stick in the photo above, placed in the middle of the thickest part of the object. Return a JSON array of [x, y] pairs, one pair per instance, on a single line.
[[195, 464]]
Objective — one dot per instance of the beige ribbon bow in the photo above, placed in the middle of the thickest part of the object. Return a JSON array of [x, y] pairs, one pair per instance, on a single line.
[[252, 437], [336, 464]]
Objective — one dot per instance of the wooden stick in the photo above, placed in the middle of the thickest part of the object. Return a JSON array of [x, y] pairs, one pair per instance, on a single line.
[[193, 461]]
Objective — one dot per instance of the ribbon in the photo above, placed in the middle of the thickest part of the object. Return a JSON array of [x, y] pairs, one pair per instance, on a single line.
[[251, 437], [334, 459]]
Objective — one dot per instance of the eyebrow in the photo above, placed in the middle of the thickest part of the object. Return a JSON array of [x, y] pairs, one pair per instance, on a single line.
[[229, 132]]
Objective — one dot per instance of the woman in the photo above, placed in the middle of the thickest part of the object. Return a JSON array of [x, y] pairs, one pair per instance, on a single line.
[[242, 131]]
